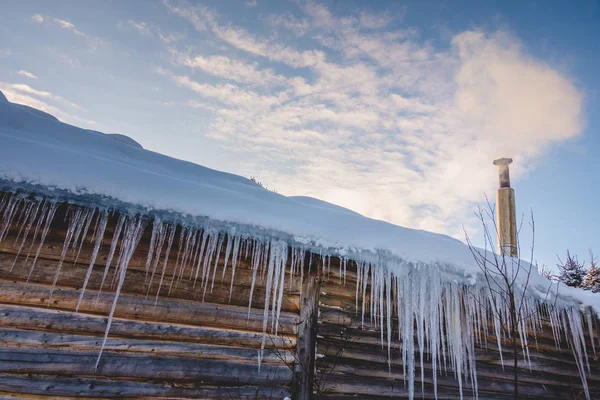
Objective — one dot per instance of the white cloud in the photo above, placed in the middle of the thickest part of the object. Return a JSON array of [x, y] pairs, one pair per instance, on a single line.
[[230, 69], [26, 74], [251, 3], [67, 25], [93, 43], [377, 119], [146, 29], [141, 27]]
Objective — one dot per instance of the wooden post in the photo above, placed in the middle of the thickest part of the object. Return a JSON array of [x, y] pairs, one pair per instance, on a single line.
[[307, 333]]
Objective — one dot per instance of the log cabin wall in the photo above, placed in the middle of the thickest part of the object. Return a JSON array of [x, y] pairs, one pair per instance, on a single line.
[[174, 346], [353, 363], [179, 345]]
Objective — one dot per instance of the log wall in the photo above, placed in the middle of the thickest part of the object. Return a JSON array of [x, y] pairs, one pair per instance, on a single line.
[[352, 362], [174, 346], [179, 345]]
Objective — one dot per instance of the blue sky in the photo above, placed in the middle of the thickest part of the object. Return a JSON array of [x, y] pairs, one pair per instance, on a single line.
[[395, 109]]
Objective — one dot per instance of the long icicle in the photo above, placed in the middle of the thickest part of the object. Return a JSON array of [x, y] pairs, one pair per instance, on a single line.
[[133, 232]]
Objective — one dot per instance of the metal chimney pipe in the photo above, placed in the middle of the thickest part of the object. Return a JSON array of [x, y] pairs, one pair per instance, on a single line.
[[506, 223]]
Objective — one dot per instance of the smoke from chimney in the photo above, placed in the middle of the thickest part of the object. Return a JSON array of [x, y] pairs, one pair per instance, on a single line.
[[505, 211]]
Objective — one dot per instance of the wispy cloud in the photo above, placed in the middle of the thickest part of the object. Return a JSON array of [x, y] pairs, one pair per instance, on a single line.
[[230, 69], [93, 42], [70, 60], [372, 117], [45, 101], [251, 3], [141, 27], [26, 74], [150, 30], [58, 22]]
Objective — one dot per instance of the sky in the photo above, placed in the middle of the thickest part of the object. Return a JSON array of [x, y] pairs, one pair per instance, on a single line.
[[394, 109]]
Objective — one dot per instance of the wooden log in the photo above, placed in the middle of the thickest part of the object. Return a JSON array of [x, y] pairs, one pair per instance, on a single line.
[[390, 388], [487, 362], [67, 322], [44, 386], [370, 342], [73, 276], [486, 374], [146, 367], [20, 339], [336, 316], [139, 308]]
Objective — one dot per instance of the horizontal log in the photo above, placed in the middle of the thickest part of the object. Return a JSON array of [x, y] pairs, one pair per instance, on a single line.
[[135, 283], [369, 341], [20, 339], [352, 321], [390, 388], [139, 308], [487, 377], [147, 367], [33, 386], [488, 363], [48, 320]]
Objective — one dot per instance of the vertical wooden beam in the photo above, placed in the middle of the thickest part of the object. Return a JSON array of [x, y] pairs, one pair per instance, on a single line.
[[307, 333]]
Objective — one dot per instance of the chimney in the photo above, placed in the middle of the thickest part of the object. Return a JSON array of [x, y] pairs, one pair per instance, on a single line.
[[505, 211]]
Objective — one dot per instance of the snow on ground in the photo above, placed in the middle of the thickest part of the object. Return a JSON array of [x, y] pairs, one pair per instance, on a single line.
[[37, 149]]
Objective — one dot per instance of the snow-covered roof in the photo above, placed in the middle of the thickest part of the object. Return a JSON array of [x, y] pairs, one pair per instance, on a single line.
[[40, 152]]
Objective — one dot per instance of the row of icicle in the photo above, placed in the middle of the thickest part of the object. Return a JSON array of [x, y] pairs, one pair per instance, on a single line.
[[438, 320]]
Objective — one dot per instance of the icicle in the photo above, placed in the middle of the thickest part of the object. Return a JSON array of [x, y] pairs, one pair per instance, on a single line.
[[200, 254], [82, 231], [48, 220], [111, 253], [227, 253], [161, 234], [236, 247], [588, 316], [388, 307], [184, 237], [282, 263], [303, 258], [8, 214], [73, 226], [156, 228], [131, 237], [172, 229], [43, 214], [28, 223], [99, 235], [197, 239], [210, 249], [212, 285], [255, 261], [26, 209], [189, 252]]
